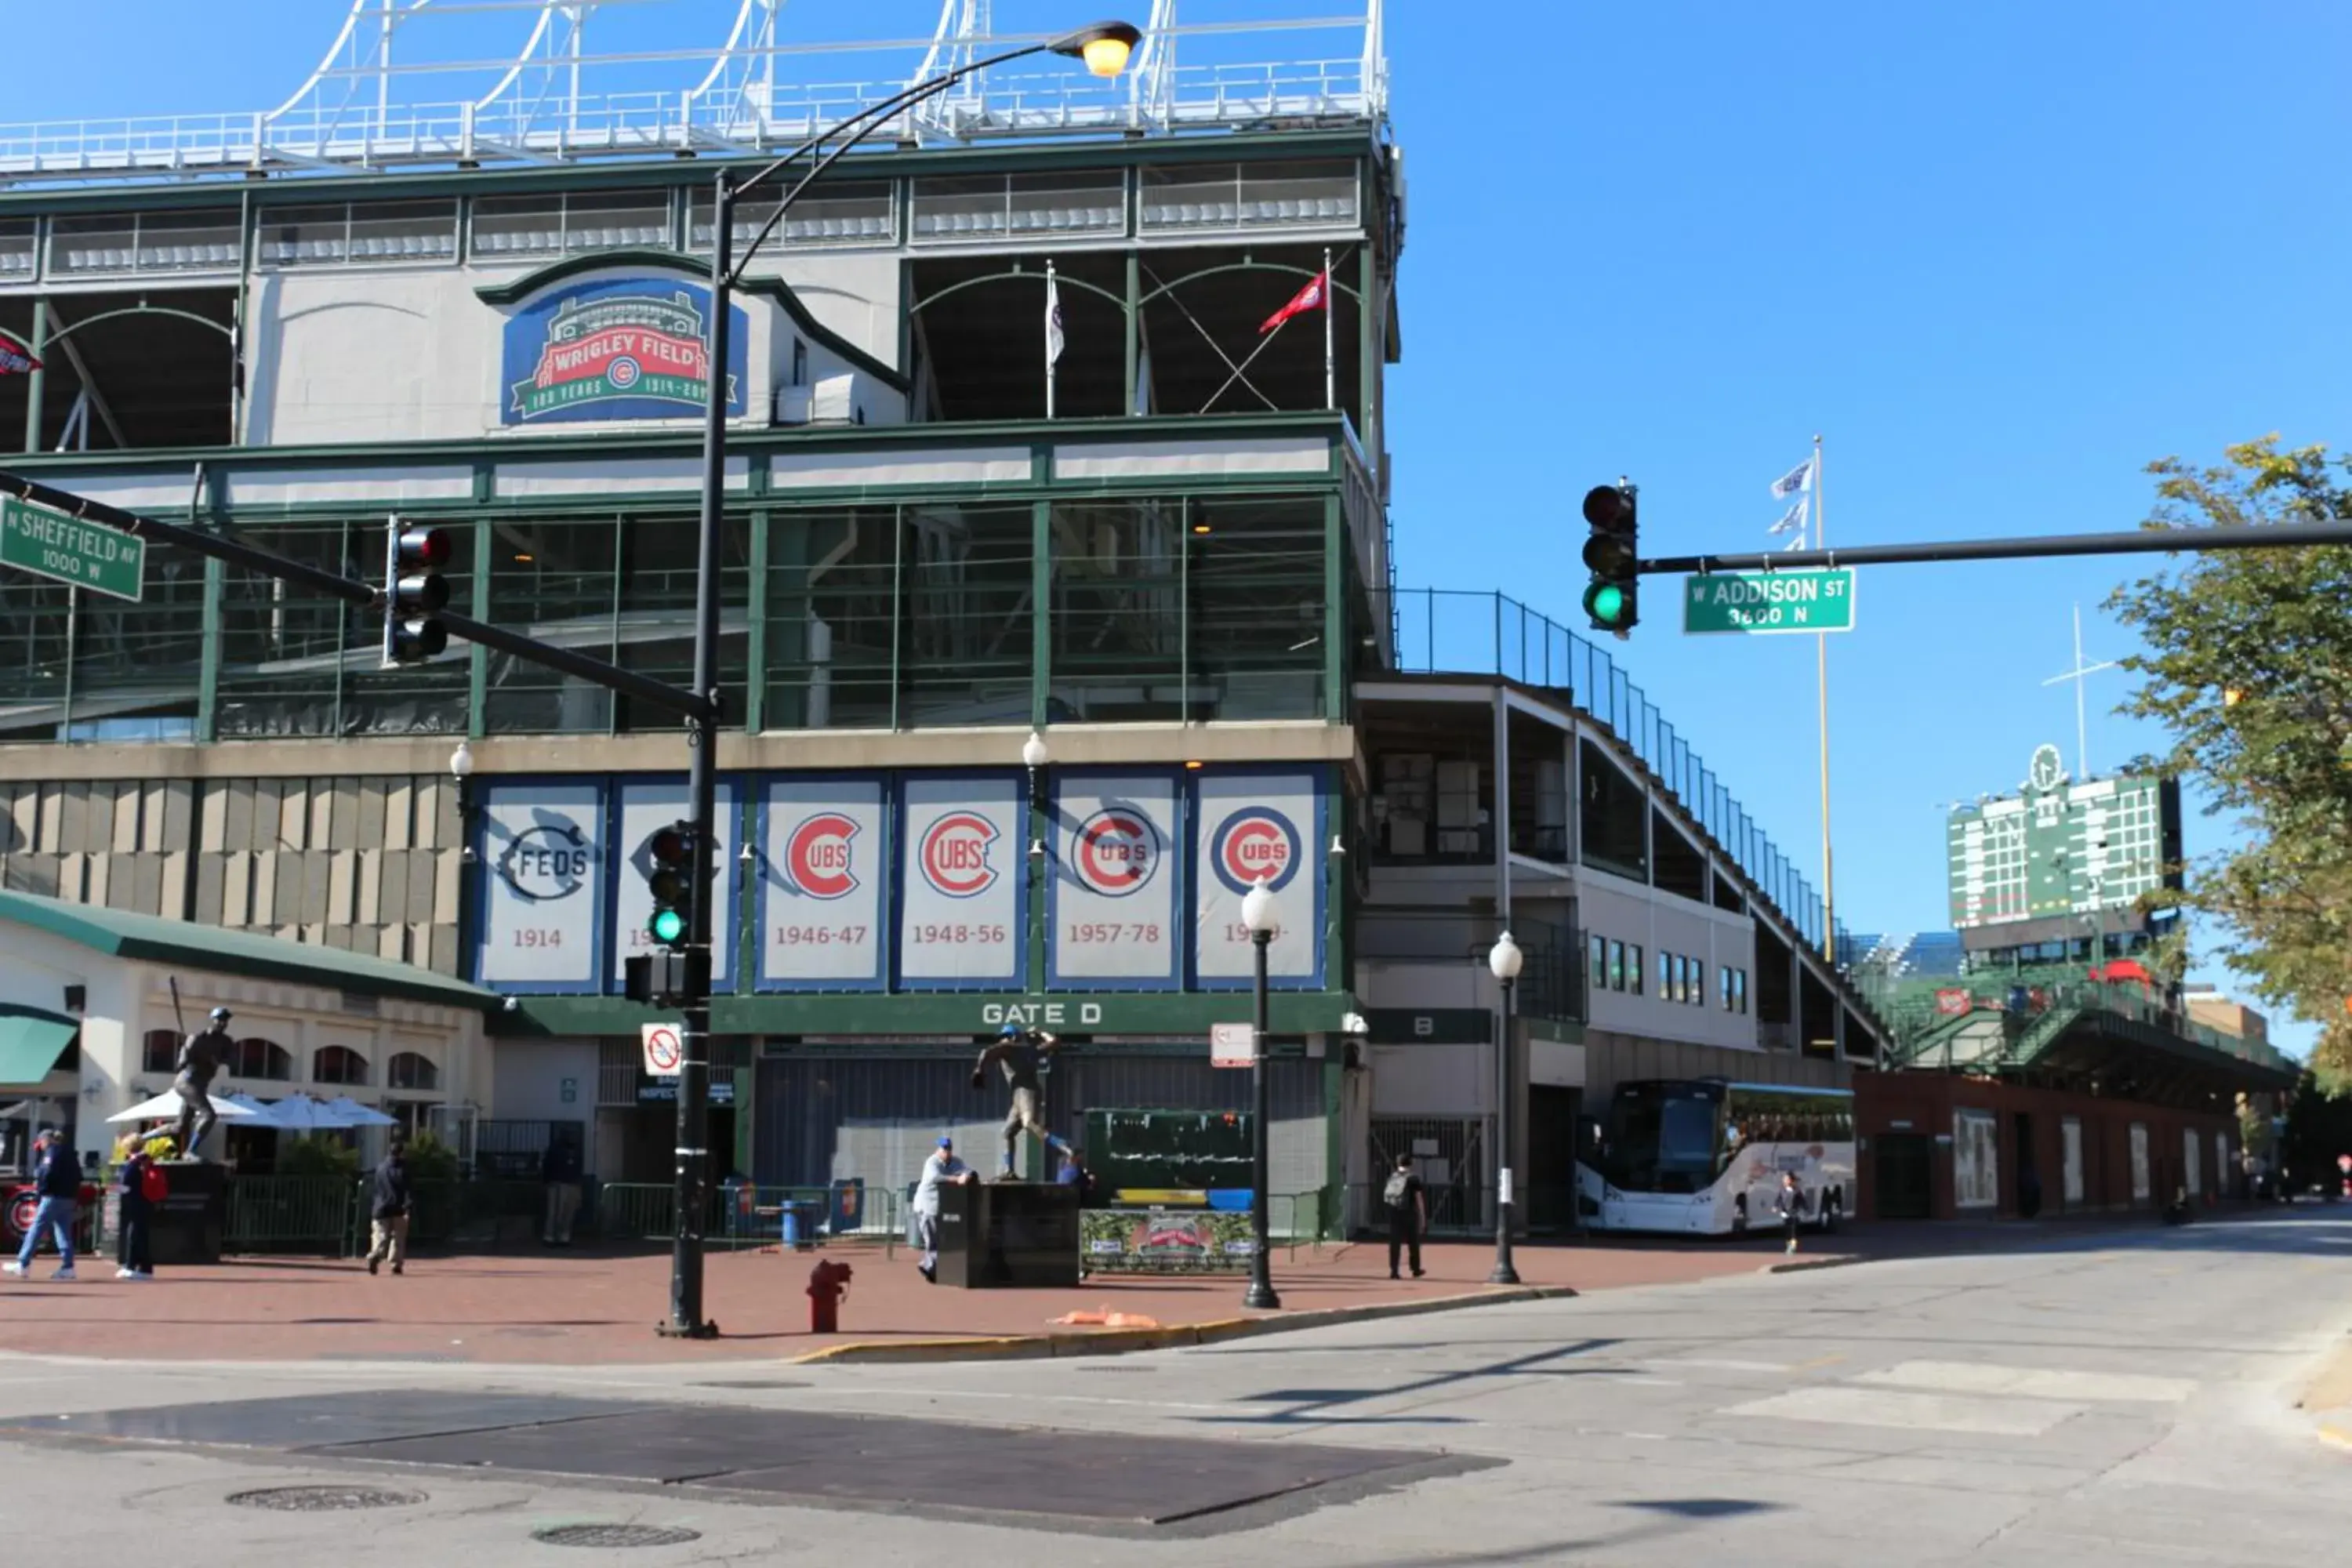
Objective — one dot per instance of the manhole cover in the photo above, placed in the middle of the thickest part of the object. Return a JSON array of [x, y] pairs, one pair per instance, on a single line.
[[615, 1535], [324, 1499]]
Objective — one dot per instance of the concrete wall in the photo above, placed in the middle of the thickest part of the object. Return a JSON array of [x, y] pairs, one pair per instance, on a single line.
[[353, 354], [1664, 923], [366, 864]]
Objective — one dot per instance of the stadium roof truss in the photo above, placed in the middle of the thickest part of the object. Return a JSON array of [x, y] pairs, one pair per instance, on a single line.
[[428, 83]]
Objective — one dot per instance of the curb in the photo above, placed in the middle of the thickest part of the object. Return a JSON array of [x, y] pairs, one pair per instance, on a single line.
[[2337, 1434], [1122, 1342], [1806, 1265]]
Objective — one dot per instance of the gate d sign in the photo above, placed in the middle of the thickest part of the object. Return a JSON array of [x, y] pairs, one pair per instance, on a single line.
[[1766, 602], [664, 1050], [51, 544]]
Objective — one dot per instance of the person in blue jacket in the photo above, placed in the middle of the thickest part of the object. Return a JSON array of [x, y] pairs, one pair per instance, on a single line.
[[56, 1180]]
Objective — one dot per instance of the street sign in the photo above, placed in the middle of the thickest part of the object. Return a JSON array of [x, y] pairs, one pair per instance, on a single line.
[[1232, 1046], [1766, 602], [51, 544], [664, 1050]]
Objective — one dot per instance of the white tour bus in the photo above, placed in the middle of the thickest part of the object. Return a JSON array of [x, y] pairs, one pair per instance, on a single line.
[[1703, 1157]]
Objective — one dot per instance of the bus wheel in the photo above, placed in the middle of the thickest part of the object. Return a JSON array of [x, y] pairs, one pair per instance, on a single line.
[[1830, 1214], [1739, 1214]]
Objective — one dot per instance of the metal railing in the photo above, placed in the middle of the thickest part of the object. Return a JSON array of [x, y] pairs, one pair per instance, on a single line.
[[1951, 1023], [1446, 631], [558, 125]]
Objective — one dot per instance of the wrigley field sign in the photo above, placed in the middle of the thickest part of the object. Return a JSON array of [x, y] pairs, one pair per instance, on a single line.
[[51, 544], [620, 349]]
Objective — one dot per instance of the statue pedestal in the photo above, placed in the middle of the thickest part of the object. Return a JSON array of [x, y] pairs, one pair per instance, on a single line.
[[1009, 1235], [188, 1224]]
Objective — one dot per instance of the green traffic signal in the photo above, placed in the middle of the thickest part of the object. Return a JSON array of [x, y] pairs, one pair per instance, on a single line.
[[669, 882], [1613, 554]]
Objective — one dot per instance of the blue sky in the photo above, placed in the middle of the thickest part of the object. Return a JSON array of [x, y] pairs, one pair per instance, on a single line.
[[1999, 254]]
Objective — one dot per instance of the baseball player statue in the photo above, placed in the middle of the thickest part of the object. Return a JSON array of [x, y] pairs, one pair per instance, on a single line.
[[201, 1058], [1021, 1053]]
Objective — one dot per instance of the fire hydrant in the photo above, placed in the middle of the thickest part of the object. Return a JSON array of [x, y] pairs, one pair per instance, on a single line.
[[828, 1283]]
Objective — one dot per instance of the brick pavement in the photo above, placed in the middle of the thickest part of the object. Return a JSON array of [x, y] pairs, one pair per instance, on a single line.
[[585, 1308]]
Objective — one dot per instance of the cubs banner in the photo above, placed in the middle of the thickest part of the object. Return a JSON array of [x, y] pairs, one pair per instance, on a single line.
[[542, 909], [618, 348], [647, 807], [823, 873], [1112, 901], [1253, 825], [961, 910]]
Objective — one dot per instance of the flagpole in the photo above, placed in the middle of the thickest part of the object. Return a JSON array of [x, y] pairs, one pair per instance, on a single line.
[[1330, 372], [1821, 688], [1053, 371]]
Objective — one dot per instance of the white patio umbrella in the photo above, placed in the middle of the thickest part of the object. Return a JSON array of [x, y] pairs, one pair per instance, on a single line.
[[299, 1112], [166, 1106], [358, 1115]]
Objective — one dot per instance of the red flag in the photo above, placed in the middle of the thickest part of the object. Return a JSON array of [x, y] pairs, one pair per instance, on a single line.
[[15, 360], [1314, 297]]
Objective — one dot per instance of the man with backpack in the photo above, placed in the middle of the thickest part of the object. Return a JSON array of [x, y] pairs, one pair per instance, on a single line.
[[144, 1186], [1408, 1206]]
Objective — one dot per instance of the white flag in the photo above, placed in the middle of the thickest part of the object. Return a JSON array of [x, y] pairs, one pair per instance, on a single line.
[[1793, 519], [1052, 320], [1795, 482]]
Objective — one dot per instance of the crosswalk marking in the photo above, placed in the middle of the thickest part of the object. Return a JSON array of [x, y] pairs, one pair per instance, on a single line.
[[2030, 1382]]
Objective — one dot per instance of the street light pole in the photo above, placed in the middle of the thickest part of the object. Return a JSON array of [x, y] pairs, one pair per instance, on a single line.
[[1260, 915], [1105, 47], [1505, 962]]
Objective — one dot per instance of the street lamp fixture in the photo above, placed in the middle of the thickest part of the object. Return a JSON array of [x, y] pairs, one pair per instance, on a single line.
[[461, 768], [1261, 916], [1105, 47], [1504, 960]]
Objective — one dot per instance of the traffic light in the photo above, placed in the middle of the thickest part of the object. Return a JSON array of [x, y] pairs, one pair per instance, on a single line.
[[670, 879], [414, 592], [1613, 600]]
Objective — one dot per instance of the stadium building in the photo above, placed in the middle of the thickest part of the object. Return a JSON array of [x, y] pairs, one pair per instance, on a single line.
[[1059, 407], [2041, 1060]]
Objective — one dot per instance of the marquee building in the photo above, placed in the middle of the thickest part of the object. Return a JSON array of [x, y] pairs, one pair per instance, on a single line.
[[1040, 422]]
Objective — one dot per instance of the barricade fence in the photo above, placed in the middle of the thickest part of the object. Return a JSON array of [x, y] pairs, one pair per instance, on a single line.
[[329, 1216]]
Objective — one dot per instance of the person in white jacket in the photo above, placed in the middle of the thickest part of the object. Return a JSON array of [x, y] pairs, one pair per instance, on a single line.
[[942, 1167]]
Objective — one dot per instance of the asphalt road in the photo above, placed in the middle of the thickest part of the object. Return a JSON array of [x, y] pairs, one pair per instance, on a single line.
[[2118, 1399]]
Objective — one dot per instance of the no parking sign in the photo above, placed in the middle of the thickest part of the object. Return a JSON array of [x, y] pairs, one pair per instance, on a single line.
[[663, 1049]]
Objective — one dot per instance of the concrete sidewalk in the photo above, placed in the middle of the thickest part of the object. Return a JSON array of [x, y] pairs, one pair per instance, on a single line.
[[567, 1308]]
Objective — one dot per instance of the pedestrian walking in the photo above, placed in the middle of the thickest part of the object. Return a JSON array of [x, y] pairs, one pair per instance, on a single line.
[[389, 1210], [57, 1184], [144, 1186], [942, 1167], [1408, 1205], [1789, 1204], [563, 1168]]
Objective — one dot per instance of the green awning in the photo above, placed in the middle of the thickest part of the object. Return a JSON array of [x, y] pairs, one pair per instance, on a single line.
[[30, 1045]]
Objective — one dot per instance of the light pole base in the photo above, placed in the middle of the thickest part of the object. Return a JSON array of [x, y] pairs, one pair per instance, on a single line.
[[676, 1331], [1260, 1297], [1504, 1274]]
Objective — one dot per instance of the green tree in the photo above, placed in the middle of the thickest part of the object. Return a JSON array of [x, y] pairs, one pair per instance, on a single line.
[[2248, 663]]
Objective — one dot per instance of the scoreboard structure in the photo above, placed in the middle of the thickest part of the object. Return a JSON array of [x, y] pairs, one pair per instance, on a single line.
[[2034, 867]]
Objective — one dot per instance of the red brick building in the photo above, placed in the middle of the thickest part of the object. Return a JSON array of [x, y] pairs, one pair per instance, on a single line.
[[2090, 1103]]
